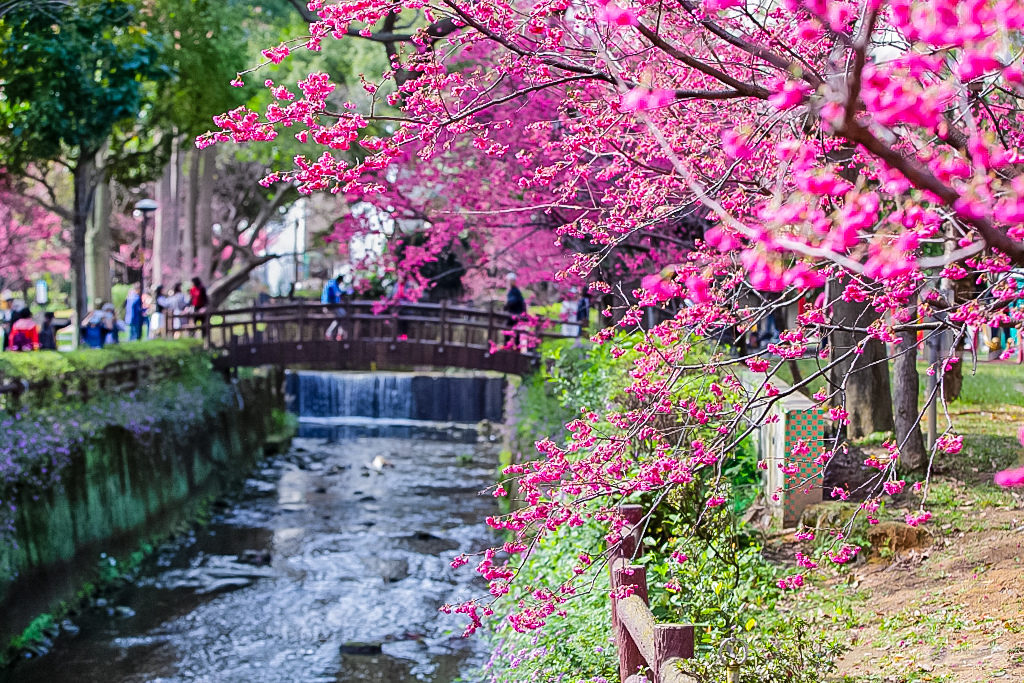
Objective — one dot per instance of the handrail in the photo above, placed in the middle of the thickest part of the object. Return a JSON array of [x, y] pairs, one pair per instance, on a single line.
[[403, 334], [642, 643]]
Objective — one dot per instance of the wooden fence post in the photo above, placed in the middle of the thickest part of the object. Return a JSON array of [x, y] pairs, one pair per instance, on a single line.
[[490, 324], [444, 322], [634, 514], [630, 659], [672, 642]]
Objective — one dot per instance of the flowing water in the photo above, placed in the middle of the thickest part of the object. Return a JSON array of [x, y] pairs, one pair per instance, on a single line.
[[328, 564]]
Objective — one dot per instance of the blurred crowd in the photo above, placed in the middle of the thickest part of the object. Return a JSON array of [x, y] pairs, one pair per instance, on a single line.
[[144, 315]]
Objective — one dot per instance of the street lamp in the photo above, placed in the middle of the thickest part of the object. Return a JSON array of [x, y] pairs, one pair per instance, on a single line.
[[147, 207]]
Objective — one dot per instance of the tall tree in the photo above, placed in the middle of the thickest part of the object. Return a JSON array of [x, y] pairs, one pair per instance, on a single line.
[[206, 43], [71, 74]]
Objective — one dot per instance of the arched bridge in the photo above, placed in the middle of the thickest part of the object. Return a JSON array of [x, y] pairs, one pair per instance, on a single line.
[[399, 337]]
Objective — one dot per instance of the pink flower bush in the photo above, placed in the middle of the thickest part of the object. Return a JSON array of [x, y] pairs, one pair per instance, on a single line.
[[1010, 478]]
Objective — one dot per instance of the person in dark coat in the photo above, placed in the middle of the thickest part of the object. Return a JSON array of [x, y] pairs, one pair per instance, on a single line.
[[515, 304], [94, 329], [48, 331]]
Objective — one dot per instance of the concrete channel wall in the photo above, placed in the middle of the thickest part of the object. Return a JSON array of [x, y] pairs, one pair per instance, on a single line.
[[119, 493]]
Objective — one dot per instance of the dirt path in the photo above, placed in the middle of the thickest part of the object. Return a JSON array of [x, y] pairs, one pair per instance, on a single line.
[[953, 612]]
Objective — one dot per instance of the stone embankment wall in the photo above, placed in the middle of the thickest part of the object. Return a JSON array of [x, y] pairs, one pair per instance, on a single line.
[[119, 492]]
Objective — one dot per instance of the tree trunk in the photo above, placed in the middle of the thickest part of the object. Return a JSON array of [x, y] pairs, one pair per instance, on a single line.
[[85, 192], [220, 289], [166, 266], [97, 247], [204, 214], [953, 379], [864, 376], [905, 390], [188, 233]]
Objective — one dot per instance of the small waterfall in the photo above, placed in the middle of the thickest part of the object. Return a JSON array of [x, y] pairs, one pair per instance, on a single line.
[[396, 397]]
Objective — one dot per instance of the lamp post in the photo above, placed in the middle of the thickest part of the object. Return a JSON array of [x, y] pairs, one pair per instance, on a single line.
[[146, 207]]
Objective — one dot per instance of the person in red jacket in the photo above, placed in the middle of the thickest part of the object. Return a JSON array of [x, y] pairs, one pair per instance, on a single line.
[[198, 295], [24, 333]]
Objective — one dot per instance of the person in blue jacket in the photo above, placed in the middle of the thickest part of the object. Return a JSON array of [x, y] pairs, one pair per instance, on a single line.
[[133, 312], [93, 330], [331, 298]]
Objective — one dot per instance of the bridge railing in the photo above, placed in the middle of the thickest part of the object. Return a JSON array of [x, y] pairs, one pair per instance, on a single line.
[[363, 321]]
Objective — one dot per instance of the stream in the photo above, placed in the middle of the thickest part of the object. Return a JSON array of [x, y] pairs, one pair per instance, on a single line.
[[328, 564]]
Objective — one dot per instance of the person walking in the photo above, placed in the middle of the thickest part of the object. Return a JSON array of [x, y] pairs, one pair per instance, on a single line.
[[567, 313], [112, 324], [583, 312], [156, 318], [515, 306], [133, 312], [177, 304], [197, 296], [331, 297], [198, 299], [48, 331], [93, 332], [24, 332]]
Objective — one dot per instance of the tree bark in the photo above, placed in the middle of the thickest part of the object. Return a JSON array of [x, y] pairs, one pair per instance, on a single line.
[[97, 247], [188, 233], [953, 379], [84, 176], [204, 214], [905, 390], [219, 290], [166, 268], [863, 376]]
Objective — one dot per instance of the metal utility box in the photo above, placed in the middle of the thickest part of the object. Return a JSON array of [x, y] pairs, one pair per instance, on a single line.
[[791, 418]]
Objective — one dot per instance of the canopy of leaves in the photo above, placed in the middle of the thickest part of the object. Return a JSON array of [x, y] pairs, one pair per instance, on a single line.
[[206, 45], [69, 74]]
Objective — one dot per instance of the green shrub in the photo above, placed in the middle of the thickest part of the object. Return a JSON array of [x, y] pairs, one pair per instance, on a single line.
[[573, 648], [726, 587], [43, 365]]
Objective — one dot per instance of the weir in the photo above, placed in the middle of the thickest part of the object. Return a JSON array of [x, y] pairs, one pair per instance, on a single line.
[[394, 398]]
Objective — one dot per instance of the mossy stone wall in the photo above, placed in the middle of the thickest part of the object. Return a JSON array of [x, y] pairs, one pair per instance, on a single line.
[[120, 492]]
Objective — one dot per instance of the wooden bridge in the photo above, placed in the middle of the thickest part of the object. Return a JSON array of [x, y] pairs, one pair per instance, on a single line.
[[400, 337]]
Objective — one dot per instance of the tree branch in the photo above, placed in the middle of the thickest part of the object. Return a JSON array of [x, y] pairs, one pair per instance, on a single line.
[[923, 179], [745, 89]]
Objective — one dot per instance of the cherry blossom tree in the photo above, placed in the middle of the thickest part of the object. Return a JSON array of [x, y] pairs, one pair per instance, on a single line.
[[858, 155], [28, 235]]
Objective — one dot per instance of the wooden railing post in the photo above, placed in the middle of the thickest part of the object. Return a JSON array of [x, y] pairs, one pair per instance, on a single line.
[[490, 323], [444, 322], [633, 514], [640, 642], [622, 554], [630, 658], [672, 642]]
